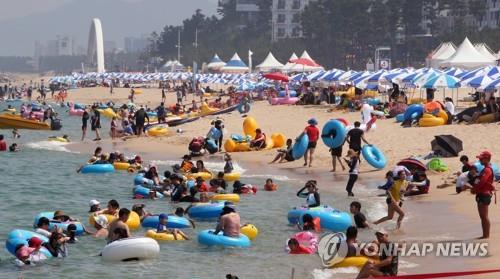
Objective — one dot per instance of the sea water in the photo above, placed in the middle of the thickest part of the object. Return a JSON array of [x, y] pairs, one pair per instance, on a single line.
[[42, 177]]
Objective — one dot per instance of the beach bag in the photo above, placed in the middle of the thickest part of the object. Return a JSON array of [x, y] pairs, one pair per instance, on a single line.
[[436, 164], [196, 144]]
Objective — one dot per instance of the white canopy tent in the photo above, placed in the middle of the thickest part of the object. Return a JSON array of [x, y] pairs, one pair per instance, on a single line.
[[485, 50], [443, 52], [467, 57], [292, 67], [269, 64]]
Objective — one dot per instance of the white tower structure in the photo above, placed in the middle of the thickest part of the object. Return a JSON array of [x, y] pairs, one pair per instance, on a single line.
[[95, 50]]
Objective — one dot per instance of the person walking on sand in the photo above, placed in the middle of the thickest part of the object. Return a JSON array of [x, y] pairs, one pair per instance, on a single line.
[[355, 136], [484, 190], [163, 95], [353, 164], [312, 133], [393, 200]]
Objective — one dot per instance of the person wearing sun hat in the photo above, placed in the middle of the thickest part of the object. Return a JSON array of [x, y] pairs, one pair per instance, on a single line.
[[312, 133], [484, 190], [94, 205], [101, 226]]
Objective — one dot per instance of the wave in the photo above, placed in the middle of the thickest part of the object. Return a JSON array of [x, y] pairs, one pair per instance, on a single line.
[[330, 273], [266, 176], [49, 145]]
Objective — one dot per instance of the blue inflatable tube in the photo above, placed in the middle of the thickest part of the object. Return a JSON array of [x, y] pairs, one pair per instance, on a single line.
[[173, 222], [240, 138], [206, 210], [244, 107], [152, 114], [17, 237], [291, 93], [78, 106], [374, 156], [98, 168], [206, 237], [143, 191], [400, 117], [300, 146], [330, 218], [211, 146], [480, 167], [139, 179], [295, 213], [333, 133], [62, 225], [373, 101], [413, 112]]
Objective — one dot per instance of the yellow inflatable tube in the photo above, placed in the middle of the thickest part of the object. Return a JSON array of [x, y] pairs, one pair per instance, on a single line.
[[279, 140], [157, 131], [352, 262], [232, 176], [225, 197], [121, 166], [109, 113], [429, 120], [204, 175], [163, 236], [205, 109], [249, 126], [133, 222], [250, 231]]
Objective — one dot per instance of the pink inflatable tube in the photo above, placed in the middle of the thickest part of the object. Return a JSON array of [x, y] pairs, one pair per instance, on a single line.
[[284, 101], [307, 239]]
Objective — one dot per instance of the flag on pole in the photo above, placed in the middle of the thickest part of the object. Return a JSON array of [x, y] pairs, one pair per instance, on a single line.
[[250, 53]]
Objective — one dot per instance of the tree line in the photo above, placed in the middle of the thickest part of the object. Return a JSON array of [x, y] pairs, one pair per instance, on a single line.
[[337, 33]]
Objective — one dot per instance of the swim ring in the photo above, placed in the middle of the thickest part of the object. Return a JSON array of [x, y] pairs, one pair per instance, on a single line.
[[330, 218], [18, 237], [244, 107], [300, 146], [163, 236], [233, 176], [400, 117], [204, 175], [429, 120], [307, 239], [157, 131], [144, 192], [133, 222], [139, 179], [225, 197], [139, 248], [284, 101], [374, 156], [291, 93], [413, 111], [206, 210], [53, 223], [333, 133], [98, 168], [249, 126], [173, 222], [206, 237]]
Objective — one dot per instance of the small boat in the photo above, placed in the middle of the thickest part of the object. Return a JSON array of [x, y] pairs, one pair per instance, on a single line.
[[181, 121], [225, 110], [11, 121]]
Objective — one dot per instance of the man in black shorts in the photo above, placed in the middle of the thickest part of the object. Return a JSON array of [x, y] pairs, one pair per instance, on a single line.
[[140, 119], [354, 137], [95, 122]]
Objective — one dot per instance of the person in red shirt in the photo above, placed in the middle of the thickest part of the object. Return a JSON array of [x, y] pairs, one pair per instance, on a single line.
[[296, 248], [313, 135], [3, 144], [483, 189]]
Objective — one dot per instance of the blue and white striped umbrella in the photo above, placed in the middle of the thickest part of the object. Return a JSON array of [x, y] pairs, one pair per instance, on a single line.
[[299, 78], [478, 81], [495, 84], [442, 81]]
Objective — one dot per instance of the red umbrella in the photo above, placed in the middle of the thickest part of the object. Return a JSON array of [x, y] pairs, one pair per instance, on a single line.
[[277, 76], [305, 62]]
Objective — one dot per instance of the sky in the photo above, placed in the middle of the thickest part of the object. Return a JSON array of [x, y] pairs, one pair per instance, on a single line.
[[22, 22]]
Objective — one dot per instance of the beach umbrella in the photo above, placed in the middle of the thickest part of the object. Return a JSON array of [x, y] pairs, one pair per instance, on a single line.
[[446, 145], [442, 81], [492, 85], [304, 62], [479, 81], [277, 76], [412, 163], [299, 77]]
